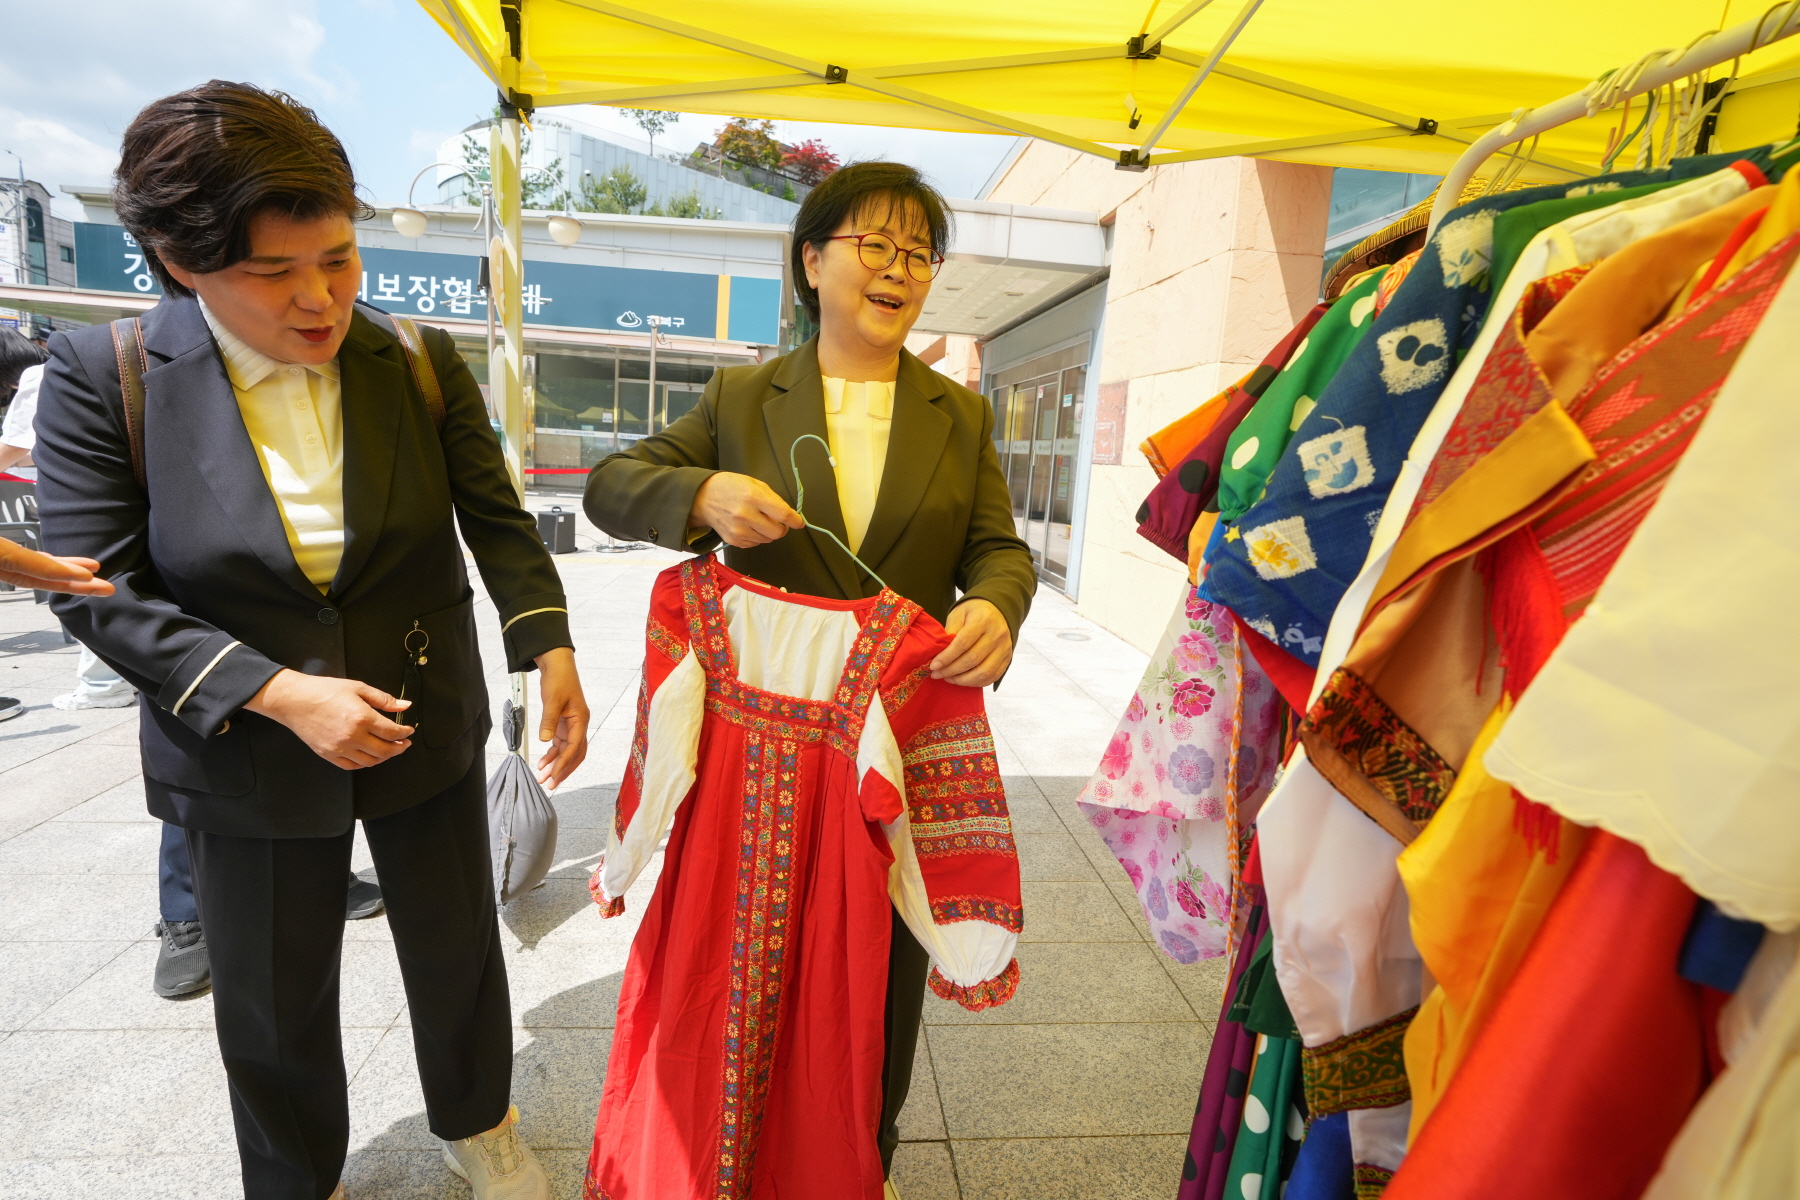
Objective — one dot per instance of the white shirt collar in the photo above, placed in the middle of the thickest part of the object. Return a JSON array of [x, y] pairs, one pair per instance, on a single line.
[[248, 367], [877, 399]]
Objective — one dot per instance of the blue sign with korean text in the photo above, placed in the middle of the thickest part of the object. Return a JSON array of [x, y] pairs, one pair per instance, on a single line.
[[108, 259], [426, 284]]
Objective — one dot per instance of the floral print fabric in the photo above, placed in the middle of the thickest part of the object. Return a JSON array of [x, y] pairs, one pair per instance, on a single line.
[[1197, 741]]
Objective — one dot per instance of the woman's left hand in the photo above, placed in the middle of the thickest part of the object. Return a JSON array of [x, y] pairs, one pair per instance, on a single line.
[[981, 647], [565, 721]]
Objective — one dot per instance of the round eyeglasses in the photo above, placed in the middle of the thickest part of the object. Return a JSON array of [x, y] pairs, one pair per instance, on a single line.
[[878, 252]]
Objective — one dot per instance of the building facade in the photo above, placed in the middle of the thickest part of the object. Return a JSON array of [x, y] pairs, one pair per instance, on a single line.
[[36, 246], [1208, 264], [585, 152]]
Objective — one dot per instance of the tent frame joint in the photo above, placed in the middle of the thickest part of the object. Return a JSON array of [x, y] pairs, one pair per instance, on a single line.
[[835, 74], [1135, 48], [1132, 160], [1426, 126]]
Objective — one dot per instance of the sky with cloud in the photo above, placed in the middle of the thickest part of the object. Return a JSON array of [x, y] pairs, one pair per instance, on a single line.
[[378, 72]]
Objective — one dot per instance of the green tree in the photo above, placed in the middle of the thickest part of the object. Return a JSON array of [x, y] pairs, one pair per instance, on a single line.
[[652, 122], [687, 205], [542, 188], [750, 141], [618, 191]]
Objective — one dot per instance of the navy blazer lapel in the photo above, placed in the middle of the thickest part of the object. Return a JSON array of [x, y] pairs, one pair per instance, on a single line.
[[373, 386], [190, 391], [916, 441], [795, 409]]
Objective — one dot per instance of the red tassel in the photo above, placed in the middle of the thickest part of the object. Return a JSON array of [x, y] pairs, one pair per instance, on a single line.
[[1525, 605], [1539, 826]]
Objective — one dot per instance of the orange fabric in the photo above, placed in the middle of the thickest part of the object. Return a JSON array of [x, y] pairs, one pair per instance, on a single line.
[[1592, 1060], [1627, 293], [1176, 440], [1478, 894]]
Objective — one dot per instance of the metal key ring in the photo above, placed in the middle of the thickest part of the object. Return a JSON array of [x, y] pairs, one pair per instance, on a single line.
[[407, 640]]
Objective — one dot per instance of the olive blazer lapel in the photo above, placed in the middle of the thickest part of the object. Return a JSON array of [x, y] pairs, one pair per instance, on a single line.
[[916, 440], [189, 391], [373, 381], [796, 407]]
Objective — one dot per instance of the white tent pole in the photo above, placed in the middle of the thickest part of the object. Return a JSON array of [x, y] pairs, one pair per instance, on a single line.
[[507, 371], [1708, 52], [1212, 60]]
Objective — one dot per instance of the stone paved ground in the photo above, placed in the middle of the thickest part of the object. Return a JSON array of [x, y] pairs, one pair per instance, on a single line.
[[1081, 1089]]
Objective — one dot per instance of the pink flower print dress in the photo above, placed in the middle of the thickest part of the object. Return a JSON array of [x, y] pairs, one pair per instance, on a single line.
[[1159, 798]]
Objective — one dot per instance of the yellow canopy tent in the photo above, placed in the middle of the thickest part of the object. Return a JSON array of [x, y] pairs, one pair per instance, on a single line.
[[1402, 85], [1396, 84]]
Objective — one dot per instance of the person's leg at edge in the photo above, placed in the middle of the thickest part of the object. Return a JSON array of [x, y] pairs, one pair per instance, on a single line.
[[908, 965], [182, 968], [437, 879], [273, 911]]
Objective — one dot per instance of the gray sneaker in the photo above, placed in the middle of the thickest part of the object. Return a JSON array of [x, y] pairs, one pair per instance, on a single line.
[[182, 965], [364, 899]]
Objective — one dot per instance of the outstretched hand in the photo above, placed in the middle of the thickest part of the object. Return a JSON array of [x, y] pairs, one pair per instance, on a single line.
[[23, 567], [981, 646], [742, 510]]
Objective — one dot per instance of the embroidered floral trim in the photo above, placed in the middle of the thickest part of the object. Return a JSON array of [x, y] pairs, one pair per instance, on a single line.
[[895, 698], [942, 845], [990, 993], [667, 642], [634, 770], [1371, 1181], [767, 726], [839, 719], [1401, 765], [948, 910], [758, 953], [609, 906], [1365, 1069]]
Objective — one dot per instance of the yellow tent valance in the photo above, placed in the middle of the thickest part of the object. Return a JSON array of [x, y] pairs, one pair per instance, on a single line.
[[1389, 84]]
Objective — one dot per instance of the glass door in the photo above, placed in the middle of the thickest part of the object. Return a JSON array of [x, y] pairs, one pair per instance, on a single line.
[[1065, 422], [1037, 436]]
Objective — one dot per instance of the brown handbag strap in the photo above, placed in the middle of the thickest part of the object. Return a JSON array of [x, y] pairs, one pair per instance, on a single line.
[[424, 374], [128, 348]]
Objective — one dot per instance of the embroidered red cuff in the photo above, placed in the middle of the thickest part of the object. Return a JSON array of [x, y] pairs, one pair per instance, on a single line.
[[610, 906], [991, 993]]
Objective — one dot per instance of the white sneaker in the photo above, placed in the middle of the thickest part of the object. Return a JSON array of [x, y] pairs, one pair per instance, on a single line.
[[75, 701], [497, 1164]]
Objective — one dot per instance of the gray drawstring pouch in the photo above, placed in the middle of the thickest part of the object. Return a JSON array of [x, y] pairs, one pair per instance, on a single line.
[[521, 819]]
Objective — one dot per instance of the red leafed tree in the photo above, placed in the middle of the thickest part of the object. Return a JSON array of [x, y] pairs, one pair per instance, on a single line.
[[810, 161]]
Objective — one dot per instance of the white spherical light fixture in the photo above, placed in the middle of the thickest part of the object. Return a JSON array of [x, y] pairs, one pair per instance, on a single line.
[[409, 222], [565, 230]]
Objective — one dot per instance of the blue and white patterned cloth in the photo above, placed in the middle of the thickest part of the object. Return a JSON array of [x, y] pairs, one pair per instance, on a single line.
[[1286, 563]]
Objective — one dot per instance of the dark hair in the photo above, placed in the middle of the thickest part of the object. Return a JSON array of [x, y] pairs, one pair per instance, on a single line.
[[197, 167], [17, 354], [847, 192]]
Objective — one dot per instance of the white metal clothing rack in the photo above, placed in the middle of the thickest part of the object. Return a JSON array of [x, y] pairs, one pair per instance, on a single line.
[[1775, 24]]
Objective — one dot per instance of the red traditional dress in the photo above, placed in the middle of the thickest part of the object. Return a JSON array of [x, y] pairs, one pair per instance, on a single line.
[[813, 771]]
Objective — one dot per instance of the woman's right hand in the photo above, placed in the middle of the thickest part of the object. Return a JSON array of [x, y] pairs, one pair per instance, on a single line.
[[742, 510], [344, 721]]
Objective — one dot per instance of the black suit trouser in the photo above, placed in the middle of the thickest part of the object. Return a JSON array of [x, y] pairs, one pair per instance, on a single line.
[[908, 965], [273, 911]]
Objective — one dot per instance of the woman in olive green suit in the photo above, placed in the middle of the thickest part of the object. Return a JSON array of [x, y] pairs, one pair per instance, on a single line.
[[912, 483]]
